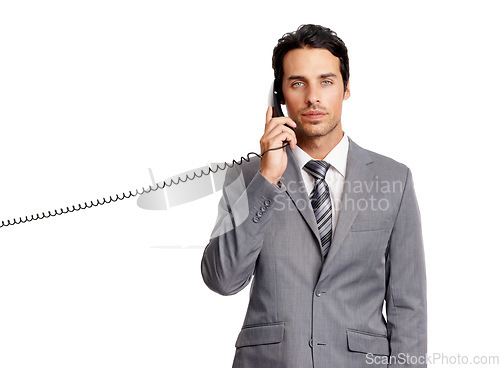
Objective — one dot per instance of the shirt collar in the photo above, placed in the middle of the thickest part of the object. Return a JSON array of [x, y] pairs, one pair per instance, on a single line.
[[337, 157]]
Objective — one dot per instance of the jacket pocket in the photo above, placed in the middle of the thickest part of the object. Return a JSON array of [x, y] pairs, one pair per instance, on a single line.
[[372, 225], [366, 342], [269, 333]]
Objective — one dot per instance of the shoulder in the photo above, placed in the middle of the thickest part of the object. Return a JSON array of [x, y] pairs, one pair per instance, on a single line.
[[381, 164]]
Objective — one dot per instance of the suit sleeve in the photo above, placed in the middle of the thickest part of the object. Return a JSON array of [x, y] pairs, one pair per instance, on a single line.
[[406, 301], [244, 213]]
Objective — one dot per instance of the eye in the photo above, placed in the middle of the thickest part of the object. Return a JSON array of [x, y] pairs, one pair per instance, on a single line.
[[297, 84], [327, 82]]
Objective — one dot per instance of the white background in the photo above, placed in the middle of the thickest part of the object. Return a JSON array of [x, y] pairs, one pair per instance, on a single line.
[[94, 93]]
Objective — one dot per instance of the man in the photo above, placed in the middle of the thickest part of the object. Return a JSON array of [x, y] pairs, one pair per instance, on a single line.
[[316, 298]]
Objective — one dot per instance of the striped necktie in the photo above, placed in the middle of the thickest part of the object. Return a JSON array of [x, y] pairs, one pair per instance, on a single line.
[[321, 202]]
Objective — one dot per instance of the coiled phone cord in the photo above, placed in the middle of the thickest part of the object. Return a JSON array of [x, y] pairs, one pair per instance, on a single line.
[[117, 197]]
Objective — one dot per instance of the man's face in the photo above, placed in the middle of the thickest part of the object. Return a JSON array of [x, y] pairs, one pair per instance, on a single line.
[[313, 91]]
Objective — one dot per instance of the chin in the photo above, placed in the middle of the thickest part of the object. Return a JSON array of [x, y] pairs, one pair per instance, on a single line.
[[314, 133], [314, 129]]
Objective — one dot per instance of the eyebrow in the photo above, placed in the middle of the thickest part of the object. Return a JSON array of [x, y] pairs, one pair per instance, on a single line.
[[300, 77]]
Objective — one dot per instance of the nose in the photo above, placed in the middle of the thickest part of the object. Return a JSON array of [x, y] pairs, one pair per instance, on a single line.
[[312, 95]]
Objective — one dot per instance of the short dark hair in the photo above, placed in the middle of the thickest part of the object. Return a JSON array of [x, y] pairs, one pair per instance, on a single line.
[[314, 36]]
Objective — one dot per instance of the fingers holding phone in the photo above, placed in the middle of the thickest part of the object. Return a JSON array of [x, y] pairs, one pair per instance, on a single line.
[[277, 131]]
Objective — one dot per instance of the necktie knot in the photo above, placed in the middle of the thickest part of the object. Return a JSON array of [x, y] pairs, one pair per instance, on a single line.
[[317, 169]]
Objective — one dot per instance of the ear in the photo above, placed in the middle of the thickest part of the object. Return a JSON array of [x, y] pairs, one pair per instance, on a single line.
[[347, 92]]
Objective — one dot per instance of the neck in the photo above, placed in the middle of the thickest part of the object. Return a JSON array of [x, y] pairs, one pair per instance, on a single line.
[[319, 147]]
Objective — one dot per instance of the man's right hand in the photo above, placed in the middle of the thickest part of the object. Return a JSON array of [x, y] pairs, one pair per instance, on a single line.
[[273, 163]]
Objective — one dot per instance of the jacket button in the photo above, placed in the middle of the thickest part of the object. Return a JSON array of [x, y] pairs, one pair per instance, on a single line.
[[318, 293], [259, 213], [311, 343], [267, 202], [256, 219], [263, 208]]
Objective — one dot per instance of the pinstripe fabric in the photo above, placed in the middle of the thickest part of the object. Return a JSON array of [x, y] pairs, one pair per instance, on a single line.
[[321, 202]]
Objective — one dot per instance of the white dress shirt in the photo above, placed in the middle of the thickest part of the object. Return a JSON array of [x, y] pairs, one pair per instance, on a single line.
[[335, 176]]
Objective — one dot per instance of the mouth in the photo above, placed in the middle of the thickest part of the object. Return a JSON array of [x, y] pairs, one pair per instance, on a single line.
[[314, 114]]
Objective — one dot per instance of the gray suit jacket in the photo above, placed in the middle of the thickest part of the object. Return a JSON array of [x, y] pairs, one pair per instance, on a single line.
[[306, 311]]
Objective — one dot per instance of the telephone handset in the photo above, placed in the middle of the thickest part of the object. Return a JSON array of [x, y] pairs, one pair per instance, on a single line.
[[275, 102], [183, 178]]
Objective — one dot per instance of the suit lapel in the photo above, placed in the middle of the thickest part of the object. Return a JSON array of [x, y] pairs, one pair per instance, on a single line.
[[296, 190], [359, 177]]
